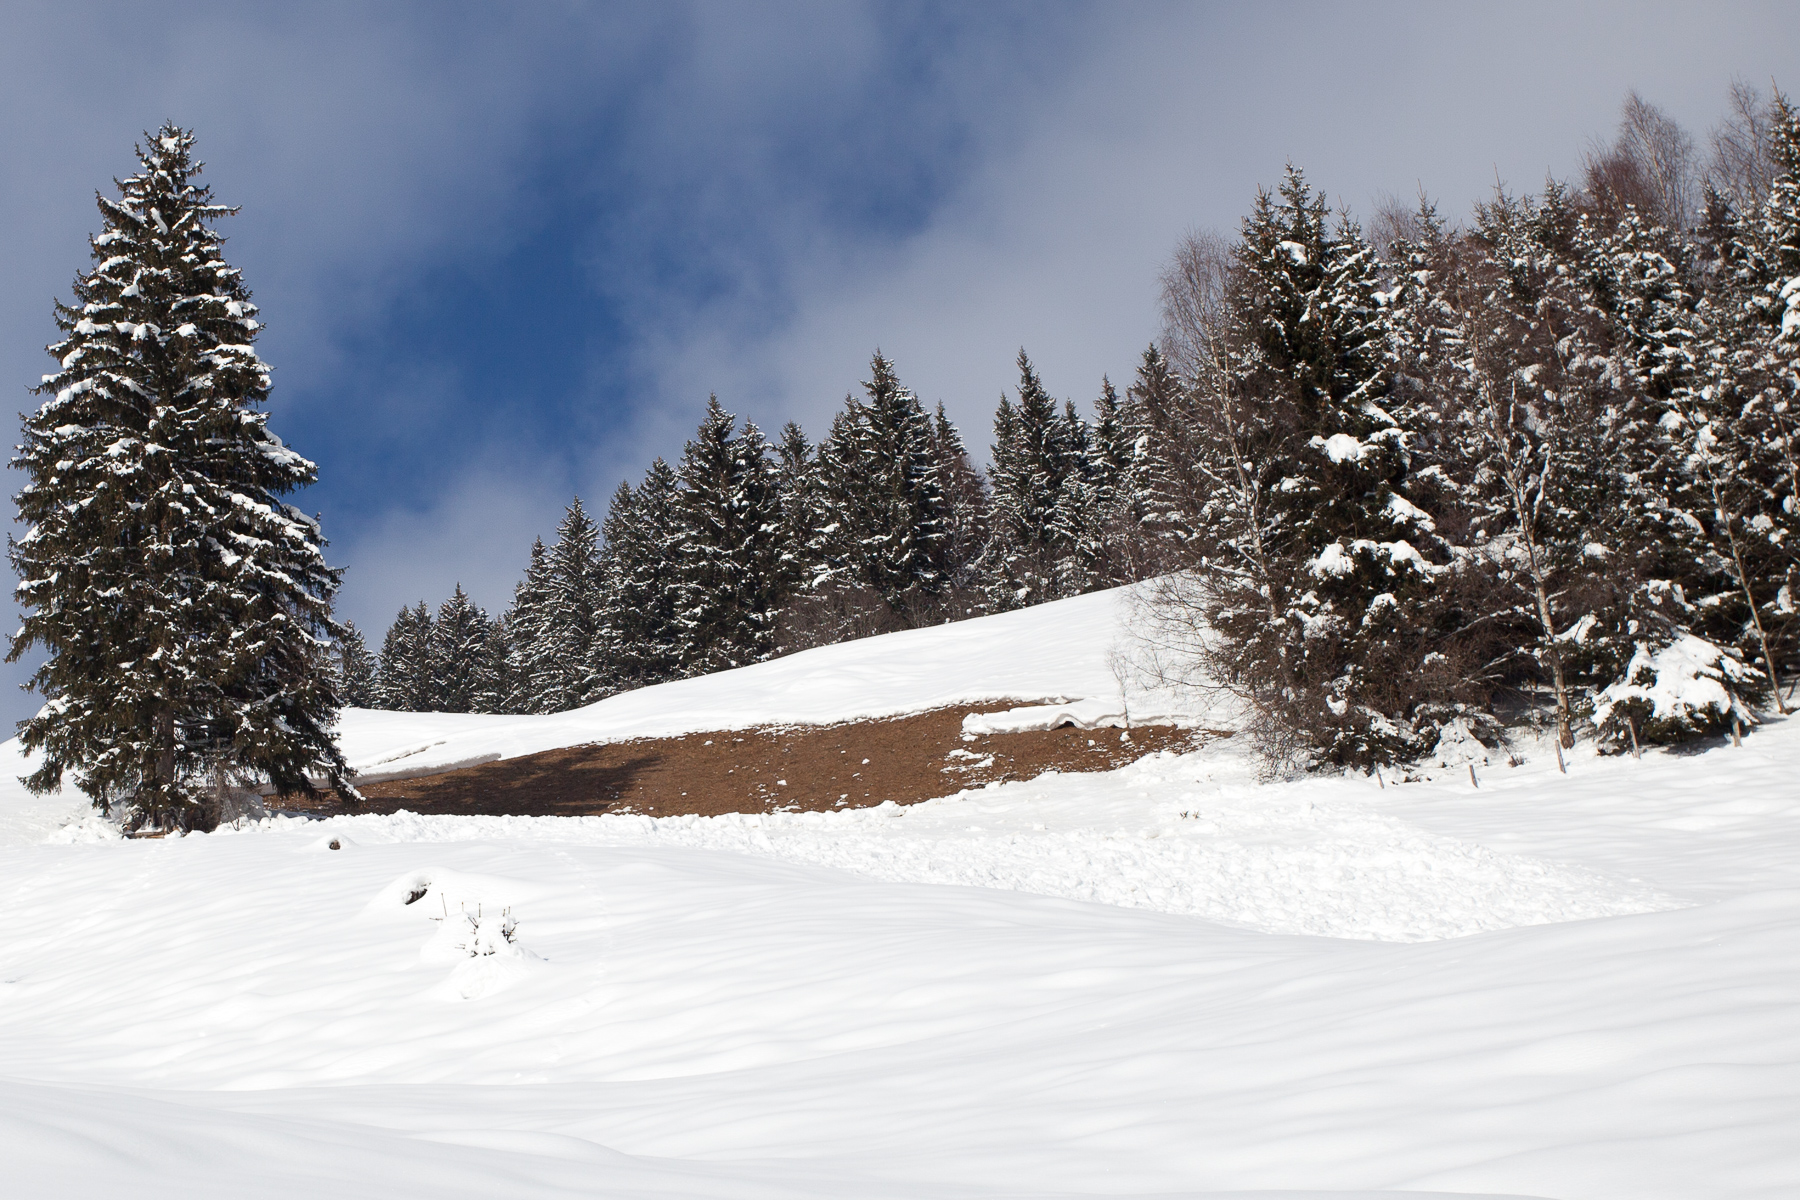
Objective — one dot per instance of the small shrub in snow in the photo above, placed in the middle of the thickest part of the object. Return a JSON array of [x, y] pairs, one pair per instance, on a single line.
[[1686, 690], [479, 936]]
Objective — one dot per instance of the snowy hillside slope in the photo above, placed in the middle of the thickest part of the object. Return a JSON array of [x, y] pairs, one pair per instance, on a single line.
[[1061, 651], [1170, 980], [786, 1006]]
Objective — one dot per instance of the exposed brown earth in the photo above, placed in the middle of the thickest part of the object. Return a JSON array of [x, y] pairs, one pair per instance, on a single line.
[[785, 769]]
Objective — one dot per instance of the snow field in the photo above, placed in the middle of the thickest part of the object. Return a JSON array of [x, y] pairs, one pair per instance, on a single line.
[[699, 1023], [1584, 987], [1189, 835]]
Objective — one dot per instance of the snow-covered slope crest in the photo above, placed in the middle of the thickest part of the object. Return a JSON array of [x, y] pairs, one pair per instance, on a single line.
[[1062, 651]]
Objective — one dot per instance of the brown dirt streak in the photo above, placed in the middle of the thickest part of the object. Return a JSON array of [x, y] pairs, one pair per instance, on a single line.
[[910, 758]]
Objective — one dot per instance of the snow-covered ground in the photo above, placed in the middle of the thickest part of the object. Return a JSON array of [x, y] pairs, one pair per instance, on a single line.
[[1169, 980]]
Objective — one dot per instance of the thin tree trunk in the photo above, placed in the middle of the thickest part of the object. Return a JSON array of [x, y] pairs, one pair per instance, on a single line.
[[1743, 580], [1515, 490], [164, 727]]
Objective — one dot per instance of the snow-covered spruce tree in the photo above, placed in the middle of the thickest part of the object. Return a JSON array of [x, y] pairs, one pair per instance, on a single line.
[[459, 654], [529, 646], [1175, 427], [728, 559], [1100, 512], [1753, 376], [1699, 499], [881, 500], [1318, 574], [408, 682], [355, 669], [185, 608], [1035, 449], [572, 612], [639, 639], [966, 512], [797, 491], [494, 687]]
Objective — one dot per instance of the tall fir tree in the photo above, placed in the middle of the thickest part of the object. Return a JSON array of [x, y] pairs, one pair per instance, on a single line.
[[966, 512], [639, 637], [572, 605], [185, 608], [1323, 571], [494, 685], [1035, 449], [459, 654], [728, 572], [880, 496], [408, 681], [802, 510], [355, 669], [529, 646]]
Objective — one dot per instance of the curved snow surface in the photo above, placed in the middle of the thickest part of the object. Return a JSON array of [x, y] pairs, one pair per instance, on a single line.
[[1581, 986], [1179, 834]]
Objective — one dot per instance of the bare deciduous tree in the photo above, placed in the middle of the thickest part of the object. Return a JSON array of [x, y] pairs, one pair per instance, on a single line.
[[1743, 162], [1193, 301], [1650, 167]]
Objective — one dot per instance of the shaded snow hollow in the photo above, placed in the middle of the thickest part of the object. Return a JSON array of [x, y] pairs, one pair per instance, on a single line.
[[1584, 987]]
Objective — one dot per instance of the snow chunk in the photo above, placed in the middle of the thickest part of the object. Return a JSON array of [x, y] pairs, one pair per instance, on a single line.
[[1332, 562], [1683, 685], [1081, 714], [1341, 447], [1406, 512]]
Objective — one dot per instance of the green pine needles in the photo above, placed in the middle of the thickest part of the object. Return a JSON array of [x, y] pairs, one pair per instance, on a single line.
[[185, 609]]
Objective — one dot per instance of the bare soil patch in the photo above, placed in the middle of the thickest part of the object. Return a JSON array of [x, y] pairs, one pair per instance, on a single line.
[[805, 768]]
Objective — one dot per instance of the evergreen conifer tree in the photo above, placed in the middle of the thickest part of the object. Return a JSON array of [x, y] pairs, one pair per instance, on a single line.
[[355, 668], [727, 571], [966, 507], [639, 635], [881, 498], [408, 681], [571, 612], [1322, 570], [494, 687], [1034, 452], [802, 554], [529, 645], [185, 608], [459, 655]]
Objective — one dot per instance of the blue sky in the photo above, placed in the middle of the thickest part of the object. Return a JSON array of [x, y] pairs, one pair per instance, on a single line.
[[504, 252]]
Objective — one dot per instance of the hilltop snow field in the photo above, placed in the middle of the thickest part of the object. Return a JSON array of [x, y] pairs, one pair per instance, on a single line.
[[1168, 980]]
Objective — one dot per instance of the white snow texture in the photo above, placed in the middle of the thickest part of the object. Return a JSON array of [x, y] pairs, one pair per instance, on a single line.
[[1169, 980]]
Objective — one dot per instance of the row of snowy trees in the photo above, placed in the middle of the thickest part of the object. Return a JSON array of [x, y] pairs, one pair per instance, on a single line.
[[1547, 457], [747, 549], [1437, 478]]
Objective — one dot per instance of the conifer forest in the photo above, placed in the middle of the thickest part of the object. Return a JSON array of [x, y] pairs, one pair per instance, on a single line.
[[1393, 478]]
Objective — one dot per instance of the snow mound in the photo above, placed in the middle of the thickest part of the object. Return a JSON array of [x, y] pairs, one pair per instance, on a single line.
[[1079, 714]]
